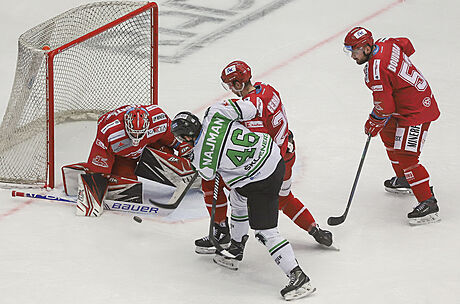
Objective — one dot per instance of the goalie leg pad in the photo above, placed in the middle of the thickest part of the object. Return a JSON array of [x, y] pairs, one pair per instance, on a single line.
[[92, 188], [124, 189], [70, 176]]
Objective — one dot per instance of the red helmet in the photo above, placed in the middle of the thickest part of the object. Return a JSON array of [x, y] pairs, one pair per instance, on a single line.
[[136, 123], [236, 70], [358, 37]]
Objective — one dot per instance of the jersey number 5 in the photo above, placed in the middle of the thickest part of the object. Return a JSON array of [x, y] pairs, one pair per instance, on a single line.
[[413, 77]]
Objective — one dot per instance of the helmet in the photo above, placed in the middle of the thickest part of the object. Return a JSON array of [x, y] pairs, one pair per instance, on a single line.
[[136, 123], [236, 70], [358, 37], [185, 124]]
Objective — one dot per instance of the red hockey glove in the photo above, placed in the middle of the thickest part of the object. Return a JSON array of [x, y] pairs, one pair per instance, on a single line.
[[184, 149], [375, 124]]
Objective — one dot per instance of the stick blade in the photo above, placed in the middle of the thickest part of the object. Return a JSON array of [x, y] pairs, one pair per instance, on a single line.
[[335, 220]]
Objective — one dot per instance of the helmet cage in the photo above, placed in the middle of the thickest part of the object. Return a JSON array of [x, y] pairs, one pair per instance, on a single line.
[[136, 124]]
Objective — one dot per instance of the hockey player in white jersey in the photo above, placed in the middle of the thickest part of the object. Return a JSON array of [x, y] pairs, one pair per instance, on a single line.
[[251, 165]]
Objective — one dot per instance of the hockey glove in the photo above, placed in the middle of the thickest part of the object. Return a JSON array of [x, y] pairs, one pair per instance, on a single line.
[[184, 150], [375, 124]]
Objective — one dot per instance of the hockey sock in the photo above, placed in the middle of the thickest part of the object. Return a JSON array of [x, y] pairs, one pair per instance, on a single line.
[[419, 181], [279, 248], [221, 205], [239, 223], [296, 211], [395, 163]]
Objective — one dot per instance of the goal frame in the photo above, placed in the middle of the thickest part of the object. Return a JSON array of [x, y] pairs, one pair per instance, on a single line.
[[50, 167]]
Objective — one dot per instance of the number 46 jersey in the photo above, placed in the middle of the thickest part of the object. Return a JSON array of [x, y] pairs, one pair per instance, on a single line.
[[229, 148], [397, 86]]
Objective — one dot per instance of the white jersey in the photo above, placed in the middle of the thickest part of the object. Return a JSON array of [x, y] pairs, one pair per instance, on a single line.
[[229, 148]]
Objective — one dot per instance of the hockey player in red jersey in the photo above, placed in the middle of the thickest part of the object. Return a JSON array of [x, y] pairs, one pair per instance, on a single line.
[[270, 118], [122, 134], [404, 108]]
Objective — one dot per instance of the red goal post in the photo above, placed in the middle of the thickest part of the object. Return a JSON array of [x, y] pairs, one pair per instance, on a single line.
[[75, 66]]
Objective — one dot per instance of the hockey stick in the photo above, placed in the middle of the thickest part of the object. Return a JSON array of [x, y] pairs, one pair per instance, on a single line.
[[108, 204], [212, 238], [178, 195], [337, 220]]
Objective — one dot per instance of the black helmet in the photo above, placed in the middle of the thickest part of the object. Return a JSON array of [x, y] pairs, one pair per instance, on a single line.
[[185, 124]]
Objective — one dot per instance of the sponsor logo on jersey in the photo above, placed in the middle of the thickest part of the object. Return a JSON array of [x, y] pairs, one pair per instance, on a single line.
[[110, 125], [377, 88], [134, 207], [394, 59], [426, 102], [254, 124], [121, 145], [135, 154], [377, 105], [100, 144], [274, 103], [159, 117], [100, 161], [376, 69], [151, 107], [116, 135], [157, 130]]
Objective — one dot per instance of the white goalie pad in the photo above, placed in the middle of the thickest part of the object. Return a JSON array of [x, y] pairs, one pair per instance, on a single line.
[[92, 189], [70, 176]]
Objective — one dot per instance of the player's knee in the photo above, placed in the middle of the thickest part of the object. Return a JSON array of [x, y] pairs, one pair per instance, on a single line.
[[407, 160], [267, 236]]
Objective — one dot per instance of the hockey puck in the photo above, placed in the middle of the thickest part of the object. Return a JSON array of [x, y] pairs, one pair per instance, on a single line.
[[137, 219]]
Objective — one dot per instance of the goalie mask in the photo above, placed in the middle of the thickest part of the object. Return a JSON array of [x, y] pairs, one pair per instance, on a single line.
[[136, 124], [185, 126], [235, 71]]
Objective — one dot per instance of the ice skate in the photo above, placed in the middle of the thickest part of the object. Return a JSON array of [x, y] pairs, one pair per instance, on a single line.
[[397, 185], [323, 237], [426, 212], [299, 285], [222, 235], [236, 248]]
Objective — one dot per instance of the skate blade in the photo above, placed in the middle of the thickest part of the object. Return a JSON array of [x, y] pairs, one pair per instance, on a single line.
[[226, 262], [209, 250], [427, 219], [303, 291], [399, 190]]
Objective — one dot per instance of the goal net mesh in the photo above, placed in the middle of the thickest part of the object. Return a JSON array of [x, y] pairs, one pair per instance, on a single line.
[[91, 76]]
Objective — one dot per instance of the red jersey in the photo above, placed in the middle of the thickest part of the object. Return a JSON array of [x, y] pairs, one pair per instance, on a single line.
[[271, 116], [112, 140], [397, 86]]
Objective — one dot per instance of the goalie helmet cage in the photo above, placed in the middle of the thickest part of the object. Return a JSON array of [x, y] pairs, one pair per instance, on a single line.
[[75, 66]]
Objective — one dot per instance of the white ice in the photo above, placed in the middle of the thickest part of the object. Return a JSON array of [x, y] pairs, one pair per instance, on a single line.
[[48, 255]]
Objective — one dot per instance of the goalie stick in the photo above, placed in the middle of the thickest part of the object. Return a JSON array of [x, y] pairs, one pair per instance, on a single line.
[[212, 238], [108, 204], [337, 220], [177, 196]]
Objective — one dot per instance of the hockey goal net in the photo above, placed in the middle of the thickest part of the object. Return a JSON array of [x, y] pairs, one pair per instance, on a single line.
[[75, 66]]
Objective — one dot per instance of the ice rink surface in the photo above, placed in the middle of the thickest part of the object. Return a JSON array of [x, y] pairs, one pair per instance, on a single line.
[[48, 255]]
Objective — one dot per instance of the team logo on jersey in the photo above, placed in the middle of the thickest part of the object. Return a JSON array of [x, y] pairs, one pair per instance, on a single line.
[[377, 105], [100, 161], [426, 102], [121, 145], [230, 69]]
